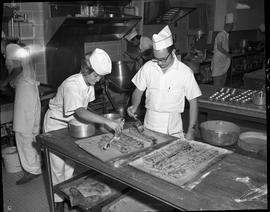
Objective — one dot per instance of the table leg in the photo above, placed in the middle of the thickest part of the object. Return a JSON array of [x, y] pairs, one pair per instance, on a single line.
[[48, 176]]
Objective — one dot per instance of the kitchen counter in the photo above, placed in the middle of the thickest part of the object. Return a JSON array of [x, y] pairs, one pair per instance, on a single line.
[[219, 189], [247, 111]]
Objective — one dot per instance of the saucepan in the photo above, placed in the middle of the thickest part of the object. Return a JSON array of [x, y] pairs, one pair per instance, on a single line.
[[219, 133], [78, 129]]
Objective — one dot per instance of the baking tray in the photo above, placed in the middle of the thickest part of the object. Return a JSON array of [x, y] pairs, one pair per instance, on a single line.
[[84, 200], [93, 145], [135, 201], [180, 161]]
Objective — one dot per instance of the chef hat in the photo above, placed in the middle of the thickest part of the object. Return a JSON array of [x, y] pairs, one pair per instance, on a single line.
[[163, 39], [16, 52], [229, 18], [131, 35], [101, 62]]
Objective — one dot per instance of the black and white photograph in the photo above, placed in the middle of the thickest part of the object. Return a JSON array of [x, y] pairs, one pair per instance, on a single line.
[[134, 105]]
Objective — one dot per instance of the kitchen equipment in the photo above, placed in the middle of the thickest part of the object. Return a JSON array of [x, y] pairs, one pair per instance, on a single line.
[[121, 75], [259, 98], [253, 141], [78, 129], [111, 116], [219, 133]]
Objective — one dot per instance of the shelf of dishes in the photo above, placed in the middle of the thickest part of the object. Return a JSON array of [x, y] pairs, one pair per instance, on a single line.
[[247, 62]]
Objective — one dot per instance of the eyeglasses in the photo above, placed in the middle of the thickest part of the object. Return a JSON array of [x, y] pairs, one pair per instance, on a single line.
[[161, 60]]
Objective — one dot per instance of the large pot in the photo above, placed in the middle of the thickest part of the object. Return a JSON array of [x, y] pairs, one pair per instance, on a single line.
[[79, 129], [219, 133], [120, 78]]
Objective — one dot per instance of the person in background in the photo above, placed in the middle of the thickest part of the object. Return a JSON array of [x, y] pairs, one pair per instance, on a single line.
[[71, 101], [167, 82], [143, 46], [27, 108], [222, 58]]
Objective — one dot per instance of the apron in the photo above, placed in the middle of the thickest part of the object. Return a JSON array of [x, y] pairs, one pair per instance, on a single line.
[[220, 64], [167, 123]]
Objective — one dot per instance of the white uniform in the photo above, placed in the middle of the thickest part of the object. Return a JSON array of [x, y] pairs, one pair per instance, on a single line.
[[72, 94], [26, 121], [165, 95], [220, 62]]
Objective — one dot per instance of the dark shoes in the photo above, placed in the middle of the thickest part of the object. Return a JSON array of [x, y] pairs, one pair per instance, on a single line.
[[26, 178]]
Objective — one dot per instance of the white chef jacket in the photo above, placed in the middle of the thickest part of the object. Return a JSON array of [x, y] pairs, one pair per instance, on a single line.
[[72, 94], [27, 101], [220, 62], [26, 118], [165, 94]]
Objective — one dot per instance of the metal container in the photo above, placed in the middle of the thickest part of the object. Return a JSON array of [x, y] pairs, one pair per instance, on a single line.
[[259, 98], [79, 129], [120, 78], [219, 133], [111, 116]]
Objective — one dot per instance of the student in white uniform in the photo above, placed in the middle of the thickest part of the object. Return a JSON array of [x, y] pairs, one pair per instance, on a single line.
[[222, 59], [72, 99], [27, 109], [167, 82]]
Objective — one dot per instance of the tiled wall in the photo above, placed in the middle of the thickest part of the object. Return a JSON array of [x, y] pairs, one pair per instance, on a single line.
[[31, 32]]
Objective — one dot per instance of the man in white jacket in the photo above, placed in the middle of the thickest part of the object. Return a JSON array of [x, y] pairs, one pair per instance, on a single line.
[[27, 108], [222, 59], [167, 82]]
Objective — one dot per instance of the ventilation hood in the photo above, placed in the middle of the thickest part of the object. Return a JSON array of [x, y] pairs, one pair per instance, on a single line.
[[93, 29], [174, 14]]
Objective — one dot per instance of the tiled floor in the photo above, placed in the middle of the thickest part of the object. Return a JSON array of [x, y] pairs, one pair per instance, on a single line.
[[30, 197]]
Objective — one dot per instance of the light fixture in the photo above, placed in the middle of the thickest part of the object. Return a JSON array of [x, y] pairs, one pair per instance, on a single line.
[[240, 6]]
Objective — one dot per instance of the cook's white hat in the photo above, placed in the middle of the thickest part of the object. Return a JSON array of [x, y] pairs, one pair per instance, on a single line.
[[163, 39], [101, 62], [131, 35], [16, 52], [229, 18]]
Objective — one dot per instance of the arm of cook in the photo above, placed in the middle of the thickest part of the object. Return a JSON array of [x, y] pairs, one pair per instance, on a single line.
[[137, 93], [193, 92], [76, 104], [16, 71]]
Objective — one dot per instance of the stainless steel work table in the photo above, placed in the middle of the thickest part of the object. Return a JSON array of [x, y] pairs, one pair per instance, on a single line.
[[217, 191]]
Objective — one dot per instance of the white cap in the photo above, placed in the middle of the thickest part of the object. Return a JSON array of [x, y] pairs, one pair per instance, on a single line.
[[131, 35], [163, 39], [16, 52], [229, 18], [101, 62]]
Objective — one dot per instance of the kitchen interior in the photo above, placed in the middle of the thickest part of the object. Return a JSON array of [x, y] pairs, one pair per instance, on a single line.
[[66, 30]]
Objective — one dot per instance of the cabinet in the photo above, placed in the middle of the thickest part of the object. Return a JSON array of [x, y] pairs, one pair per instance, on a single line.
[[244, 63]]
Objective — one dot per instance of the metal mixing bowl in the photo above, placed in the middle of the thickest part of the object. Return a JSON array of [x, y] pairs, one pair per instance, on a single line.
[[219, 133], [111, 116]]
